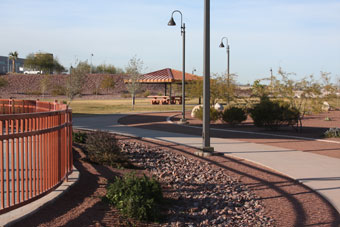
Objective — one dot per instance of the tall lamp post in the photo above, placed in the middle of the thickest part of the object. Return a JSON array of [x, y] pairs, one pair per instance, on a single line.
[[206, 81], [228, 64], [172, 23]]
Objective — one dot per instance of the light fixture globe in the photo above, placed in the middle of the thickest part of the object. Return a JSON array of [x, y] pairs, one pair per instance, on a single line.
[[171, 22]]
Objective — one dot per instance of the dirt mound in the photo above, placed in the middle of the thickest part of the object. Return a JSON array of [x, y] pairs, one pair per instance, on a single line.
[[21, 84]]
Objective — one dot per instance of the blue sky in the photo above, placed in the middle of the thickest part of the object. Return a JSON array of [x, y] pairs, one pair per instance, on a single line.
[[301, 36]]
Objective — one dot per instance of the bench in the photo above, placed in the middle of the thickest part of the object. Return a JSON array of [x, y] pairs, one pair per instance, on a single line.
[[165, 100]]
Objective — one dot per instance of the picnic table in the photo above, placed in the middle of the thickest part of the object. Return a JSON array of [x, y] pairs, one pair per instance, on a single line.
[[165, 99]]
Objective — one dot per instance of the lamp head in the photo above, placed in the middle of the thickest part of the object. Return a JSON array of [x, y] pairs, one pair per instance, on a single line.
[[171, 22], [221, 45]]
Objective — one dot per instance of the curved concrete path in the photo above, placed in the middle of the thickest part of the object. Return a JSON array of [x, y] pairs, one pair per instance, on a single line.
[[320, 173]]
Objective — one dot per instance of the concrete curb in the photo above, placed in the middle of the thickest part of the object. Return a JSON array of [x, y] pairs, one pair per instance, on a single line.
[[327, 198], [168, 119], [18, 214]]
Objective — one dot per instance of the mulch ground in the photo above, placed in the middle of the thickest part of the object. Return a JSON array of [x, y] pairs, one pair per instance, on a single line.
[[287, 201]]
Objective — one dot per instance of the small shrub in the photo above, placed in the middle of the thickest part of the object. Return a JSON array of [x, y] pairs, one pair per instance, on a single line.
[[96, 92], [102, 148], [146, 93], [136, 197], [332, 133], [33, 92], [58, 90], [125, 95], [214, 114], [3, 82], [79, 137], [234, 115], [272, 115]]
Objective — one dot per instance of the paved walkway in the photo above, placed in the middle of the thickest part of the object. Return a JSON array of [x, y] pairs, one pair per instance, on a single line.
[[320, 173]]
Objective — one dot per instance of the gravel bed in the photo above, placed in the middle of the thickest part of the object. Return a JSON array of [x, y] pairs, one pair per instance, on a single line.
[[203, 195]]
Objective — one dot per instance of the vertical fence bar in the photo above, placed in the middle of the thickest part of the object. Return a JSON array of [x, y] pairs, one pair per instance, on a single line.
[[30, 158], [34, 157], [13, 163], [46, 155], [26, 160], [7, 166], [17, 160], [65, 145], [40, 155], [22, 139], [2, 198], [55, 152], [49, 144]]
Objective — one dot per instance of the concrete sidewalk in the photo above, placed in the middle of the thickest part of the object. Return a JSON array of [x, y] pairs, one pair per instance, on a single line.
[[320, 173]]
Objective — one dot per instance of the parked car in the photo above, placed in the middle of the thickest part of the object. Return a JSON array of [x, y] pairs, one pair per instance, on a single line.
[[33, 72]]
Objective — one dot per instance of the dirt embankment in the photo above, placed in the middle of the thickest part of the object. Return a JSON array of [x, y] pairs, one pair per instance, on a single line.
[[21, 85]]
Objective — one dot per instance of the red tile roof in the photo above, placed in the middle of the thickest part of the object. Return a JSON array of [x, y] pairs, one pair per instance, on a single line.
[[166, 76], [177, 75]]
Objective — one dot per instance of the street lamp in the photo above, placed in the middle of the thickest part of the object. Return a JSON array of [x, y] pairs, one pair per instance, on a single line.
[[173, 23], [193, 71], [207, 149], [228, 66]]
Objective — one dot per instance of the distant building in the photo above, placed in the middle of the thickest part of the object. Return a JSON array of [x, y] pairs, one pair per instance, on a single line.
[[6, 65]]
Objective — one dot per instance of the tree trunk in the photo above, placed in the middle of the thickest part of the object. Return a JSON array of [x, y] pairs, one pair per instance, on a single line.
[[13, 65], [133, 101]]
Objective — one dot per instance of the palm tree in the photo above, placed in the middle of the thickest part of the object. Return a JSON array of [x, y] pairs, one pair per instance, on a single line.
[[13, 56]]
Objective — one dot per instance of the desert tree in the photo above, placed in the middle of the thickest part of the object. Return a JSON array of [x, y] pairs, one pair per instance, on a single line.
[[84, 66], [76, 81], [43, 62], [328, 88], [103, 68], [13, 56], [45, 83], [108, 83], [3, 82], [194, 89], [134, 70]]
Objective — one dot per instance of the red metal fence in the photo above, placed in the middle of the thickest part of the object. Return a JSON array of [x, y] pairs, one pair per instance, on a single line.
[[35, 150]]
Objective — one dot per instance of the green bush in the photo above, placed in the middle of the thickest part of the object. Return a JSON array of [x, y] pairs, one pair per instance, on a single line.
[[273, 114], [234, 115], [146, 93], [214, 114], [102, 148], [58, 90], [138, 198], [332, 133], [3, 82], [33, 92], [79, 137]]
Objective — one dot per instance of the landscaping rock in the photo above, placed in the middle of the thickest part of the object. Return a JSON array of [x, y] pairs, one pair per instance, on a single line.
[[194, 109], [219, 107], [203, 195]]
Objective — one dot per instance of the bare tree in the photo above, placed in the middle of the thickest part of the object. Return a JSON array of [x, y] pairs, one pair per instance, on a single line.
[[133, 70], [75, 82], [108, 83], [45, 84]]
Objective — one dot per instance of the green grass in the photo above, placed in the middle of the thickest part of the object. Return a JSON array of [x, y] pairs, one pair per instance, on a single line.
[[115, 106]]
